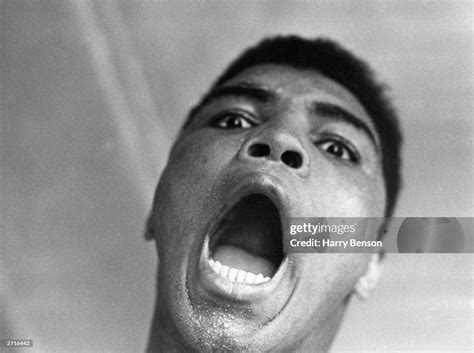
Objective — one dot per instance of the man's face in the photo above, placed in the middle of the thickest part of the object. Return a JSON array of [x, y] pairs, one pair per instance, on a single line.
[[271, 143]]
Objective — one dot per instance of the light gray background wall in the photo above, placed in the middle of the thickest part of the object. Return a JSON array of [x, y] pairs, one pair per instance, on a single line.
[[83, 143]]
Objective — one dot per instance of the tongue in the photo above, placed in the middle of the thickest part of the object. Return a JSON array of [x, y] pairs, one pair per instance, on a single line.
[[241, 259]]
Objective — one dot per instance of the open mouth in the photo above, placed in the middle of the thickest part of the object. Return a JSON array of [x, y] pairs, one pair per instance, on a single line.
[[247, 245]]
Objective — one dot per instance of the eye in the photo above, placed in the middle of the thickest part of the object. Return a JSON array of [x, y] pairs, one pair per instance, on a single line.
[[339, 150], [233, 121]]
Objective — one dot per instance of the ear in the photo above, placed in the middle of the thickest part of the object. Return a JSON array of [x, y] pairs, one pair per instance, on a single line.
[[149, 231], [367, 283]]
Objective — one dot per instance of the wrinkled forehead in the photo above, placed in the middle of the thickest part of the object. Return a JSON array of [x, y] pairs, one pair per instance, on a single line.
[[300, 84]]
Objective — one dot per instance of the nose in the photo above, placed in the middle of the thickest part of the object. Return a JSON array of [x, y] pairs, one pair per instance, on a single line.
[[278, 147]]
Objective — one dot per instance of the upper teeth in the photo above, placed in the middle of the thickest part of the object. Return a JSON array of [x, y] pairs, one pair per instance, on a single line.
[[236, 275]]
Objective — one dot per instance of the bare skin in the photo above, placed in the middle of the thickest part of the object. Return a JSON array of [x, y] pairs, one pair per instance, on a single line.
[[270, 131]]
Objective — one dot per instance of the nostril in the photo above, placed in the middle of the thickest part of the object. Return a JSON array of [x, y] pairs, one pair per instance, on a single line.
[[259, 150], [292, 159]]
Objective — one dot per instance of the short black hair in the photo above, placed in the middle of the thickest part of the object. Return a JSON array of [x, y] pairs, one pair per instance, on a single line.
[[339, 64]]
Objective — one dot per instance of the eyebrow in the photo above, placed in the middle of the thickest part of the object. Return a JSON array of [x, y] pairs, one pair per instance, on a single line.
[[335, 112], [242, 89], [263, 94]]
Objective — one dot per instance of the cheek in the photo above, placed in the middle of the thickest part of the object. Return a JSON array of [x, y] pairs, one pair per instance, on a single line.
[[359, 200], [201, 155], [325, 284], [185, 187], [345, 193], [337, 275]]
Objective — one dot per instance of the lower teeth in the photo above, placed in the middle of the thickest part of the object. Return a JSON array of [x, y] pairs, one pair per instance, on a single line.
[[236, 275]]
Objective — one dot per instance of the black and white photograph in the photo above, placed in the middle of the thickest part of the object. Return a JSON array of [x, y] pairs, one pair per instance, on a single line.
[[236, 176]]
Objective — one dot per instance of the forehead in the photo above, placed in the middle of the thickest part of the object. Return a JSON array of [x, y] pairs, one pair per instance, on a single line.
[[300, 85]]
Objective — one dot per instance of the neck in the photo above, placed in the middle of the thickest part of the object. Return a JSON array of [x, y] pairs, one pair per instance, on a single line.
[[164, 336]]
